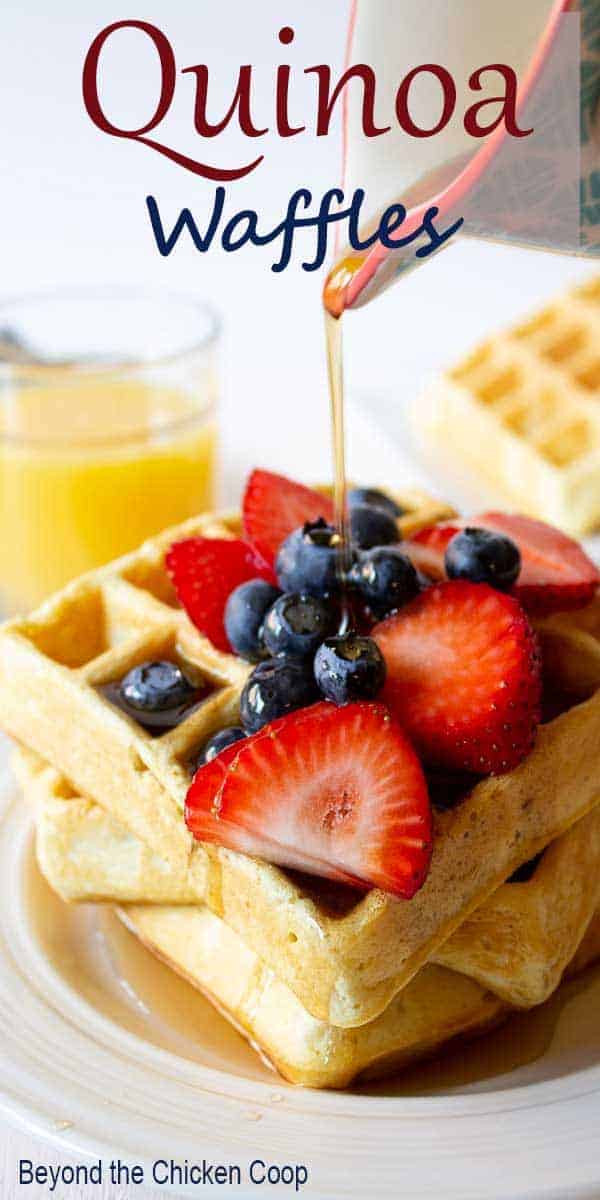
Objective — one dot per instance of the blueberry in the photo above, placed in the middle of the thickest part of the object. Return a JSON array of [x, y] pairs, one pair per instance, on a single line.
[[371, 526], [349, 667], [156, 687], [307, 561], [245, 612], [483, 557], [157, 694], [219, 741], [375, 499], [386, 579], [296, 625], [276, 687]]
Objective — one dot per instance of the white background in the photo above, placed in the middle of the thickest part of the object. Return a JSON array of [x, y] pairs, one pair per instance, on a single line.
[[72, 211]]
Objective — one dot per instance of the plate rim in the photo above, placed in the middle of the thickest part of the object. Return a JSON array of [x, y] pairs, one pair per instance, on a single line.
[[67, 1006]]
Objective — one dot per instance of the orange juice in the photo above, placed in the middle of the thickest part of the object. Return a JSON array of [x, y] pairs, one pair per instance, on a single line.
[[91, 463]]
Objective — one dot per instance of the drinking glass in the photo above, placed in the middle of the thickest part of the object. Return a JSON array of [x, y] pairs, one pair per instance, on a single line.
[[107, 429]]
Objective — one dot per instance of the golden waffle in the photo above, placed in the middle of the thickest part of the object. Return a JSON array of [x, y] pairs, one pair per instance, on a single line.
[[522, 412], [589, 948], [87, 854], [436, 1006], [571, 648], [517, 944], [344, 955]]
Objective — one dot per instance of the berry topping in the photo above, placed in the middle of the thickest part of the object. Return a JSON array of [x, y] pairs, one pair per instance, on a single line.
[[202, 820], [157, 694], [386, 579], [372, 526], [427, 548], [376, 499], [483, 556], [308, 560], [245, 612], [274, 506], [349, 667], [205, 571], [337, 792], [556, 574], [156, 686], [296, 625], [217, 743], [276, 687], [200, 809], [463, 677]]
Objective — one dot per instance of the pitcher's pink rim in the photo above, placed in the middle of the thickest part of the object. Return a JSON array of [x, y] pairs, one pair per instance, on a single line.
[[451, 196]]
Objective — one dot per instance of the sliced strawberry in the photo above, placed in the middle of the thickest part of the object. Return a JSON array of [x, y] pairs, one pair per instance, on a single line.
[[463, 676], [205, 571], [427, 548], [336, 791], [274, 506], [203, 820], [556, 574], [207, 827]]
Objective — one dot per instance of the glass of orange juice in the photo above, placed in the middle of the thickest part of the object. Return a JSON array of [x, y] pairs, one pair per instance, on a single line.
[[107, 429]]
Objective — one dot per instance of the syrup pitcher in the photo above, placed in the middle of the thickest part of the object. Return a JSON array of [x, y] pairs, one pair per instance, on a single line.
[[498, 129]]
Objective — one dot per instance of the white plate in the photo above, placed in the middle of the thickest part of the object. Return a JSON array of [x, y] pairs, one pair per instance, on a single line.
[[105, 1052]]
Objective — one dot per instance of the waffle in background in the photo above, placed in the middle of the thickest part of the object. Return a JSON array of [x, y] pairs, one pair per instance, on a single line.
[[522, 412]]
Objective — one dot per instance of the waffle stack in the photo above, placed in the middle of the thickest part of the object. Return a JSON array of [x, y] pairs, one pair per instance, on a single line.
[[533, 394], [329, 984]]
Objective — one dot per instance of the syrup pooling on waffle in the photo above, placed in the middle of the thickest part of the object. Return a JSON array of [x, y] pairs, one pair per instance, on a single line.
[[347, 961], [438, 1006], [533, 394]]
